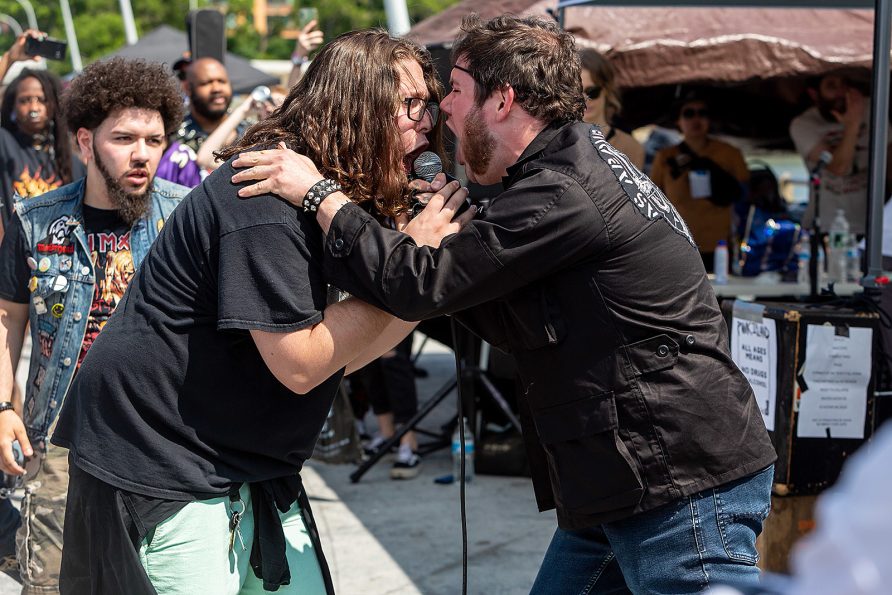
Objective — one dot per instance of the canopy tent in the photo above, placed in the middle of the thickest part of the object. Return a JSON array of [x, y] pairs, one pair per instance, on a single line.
[[755, 60], [166, 44]]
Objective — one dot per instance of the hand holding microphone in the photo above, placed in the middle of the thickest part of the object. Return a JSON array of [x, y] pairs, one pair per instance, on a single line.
[[425, 182], [441, 207]]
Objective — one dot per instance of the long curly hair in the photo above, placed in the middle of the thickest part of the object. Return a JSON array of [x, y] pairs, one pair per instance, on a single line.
[[60, 144], [118, 83], [340, 115]]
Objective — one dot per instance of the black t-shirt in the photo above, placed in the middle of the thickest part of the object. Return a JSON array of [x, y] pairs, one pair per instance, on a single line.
[[27, 171], [174, 400], [108, 237]]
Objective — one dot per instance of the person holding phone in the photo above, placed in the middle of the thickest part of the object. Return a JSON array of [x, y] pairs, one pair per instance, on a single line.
[[309, 38], [35, 150]]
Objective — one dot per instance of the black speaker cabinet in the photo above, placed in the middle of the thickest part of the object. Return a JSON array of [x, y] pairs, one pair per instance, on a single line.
[[808, 465], [207, 34]]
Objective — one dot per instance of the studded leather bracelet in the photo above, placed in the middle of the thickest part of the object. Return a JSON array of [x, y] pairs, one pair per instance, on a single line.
[[317, 194], [6, 406]]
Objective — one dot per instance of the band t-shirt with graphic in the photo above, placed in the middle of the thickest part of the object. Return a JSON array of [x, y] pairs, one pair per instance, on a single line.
[[27, 171], [108, 239]]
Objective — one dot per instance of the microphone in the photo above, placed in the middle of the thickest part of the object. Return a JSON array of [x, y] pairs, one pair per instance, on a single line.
[[823, 159], [426, 167]]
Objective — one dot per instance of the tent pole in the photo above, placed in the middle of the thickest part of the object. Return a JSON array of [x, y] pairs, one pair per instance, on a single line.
[[879, 118]]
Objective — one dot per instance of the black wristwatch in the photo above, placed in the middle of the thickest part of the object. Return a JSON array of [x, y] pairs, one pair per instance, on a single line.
[[6, 405]]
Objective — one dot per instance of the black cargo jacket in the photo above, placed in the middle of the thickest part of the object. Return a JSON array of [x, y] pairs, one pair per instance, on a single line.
[[584, 271]]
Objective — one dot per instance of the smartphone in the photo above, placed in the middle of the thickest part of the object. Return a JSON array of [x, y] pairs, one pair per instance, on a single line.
[[52, 49], [305, 15]]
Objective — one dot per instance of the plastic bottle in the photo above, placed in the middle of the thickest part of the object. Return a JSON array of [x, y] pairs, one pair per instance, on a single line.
[[840, 240], [720, 263], [469, 453], [853, 264], [803, 258]]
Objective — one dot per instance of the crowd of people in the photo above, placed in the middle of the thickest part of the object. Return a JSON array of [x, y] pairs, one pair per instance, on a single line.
[[134, 193]]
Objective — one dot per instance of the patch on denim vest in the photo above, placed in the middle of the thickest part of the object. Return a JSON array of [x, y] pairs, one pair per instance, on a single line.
[[644, 194]]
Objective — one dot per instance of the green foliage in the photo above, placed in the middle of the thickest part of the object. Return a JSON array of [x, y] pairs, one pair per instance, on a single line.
[[100, 28]]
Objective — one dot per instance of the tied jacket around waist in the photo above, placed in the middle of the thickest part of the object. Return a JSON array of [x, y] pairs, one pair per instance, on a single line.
[[584, 271]]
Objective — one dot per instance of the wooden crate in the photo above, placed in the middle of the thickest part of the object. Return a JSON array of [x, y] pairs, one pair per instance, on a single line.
[[791, 518]]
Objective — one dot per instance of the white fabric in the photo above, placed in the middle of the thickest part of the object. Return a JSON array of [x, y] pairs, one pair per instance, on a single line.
[[850, 552]]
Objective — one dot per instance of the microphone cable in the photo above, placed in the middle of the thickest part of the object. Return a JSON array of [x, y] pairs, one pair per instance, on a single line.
[[461, 437]]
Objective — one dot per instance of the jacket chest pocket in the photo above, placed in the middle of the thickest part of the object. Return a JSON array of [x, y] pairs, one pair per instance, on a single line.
[[533, 319], [592, 471]]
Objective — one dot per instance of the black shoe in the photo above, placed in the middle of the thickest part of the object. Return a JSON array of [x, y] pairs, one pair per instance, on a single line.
[[406, 466]]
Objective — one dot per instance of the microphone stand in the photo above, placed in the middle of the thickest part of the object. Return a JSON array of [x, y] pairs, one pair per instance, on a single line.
[[815, 236]]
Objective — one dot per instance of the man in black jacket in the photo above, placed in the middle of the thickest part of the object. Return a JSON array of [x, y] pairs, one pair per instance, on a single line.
[[640, 429]]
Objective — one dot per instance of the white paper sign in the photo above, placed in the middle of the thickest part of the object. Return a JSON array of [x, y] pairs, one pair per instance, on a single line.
[[754, 350], [837, 371]]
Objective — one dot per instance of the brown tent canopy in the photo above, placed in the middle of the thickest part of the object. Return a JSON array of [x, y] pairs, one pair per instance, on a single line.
[[658, 46], [754, 61]]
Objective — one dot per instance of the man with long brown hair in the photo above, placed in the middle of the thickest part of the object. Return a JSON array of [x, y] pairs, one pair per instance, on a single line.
[[185, 455], [640, 430]]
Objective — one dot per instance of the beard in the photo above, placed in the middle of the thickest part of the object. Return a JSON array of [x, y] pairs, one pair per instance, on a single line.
[[206, 111], [478, 144], [131, 206]]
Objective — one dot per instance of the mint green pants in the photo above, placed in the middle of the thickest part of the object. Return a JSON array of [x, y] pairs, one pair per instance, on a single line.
[[189, 552]]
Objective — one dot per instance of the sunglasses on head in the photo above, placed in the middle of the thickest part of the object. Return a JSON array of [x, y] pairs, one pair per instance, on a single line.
[[690, 112], [592, 92]]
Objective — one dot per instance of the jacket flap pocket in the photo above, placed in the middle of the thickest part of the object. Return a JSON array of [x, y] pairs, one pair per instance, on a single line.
[[572, 421], [651, 355], [533, 318]]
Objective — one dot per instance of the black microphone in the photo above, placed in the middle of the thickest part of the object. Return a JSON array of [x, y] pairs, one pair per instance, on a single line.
[[426, 167], [823, 160]]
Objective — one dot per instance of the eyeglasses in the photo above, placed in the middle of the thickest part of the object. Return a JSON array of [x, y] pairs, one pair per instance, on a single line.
[[416, 108], [691, 112], [592, 92]]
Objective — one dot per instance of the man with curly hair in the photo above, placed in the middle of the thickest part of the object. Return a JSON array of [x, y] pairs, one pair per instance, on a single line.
[[121, 113]]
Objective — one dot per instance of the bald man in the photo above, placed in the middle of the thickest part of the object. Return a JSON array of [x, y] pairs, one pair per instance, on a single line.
[[207, 86], [209, 91]]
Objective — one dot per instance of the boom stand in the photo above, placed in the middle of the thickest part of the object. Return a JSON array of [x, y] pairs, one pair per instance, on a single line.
[[469, 375], [816, 240]]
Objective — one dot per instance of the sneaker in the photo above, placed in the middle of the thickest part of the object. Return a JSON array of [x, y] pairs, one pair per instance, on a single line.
[[407, 464], [375, 444]]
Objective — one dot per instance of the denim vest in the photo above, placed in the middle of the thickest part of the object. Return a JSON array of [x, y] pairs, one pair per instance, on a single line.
[[66, 287]]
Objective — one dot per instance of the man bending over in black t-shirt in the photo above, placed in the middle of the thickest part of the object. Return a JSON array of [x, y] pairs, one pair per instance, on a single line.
[[188, 449]]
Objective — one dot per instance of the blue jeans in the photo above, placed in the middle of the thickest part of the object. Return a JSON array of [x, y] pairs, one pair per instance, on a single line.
[[706, 539]]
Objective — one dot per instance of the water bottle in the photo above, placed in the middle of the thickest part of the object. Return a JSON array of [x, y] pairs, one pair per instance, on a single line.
[[840, 240], [803, 258], [853, 264], [720, 263], [469, 453]]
